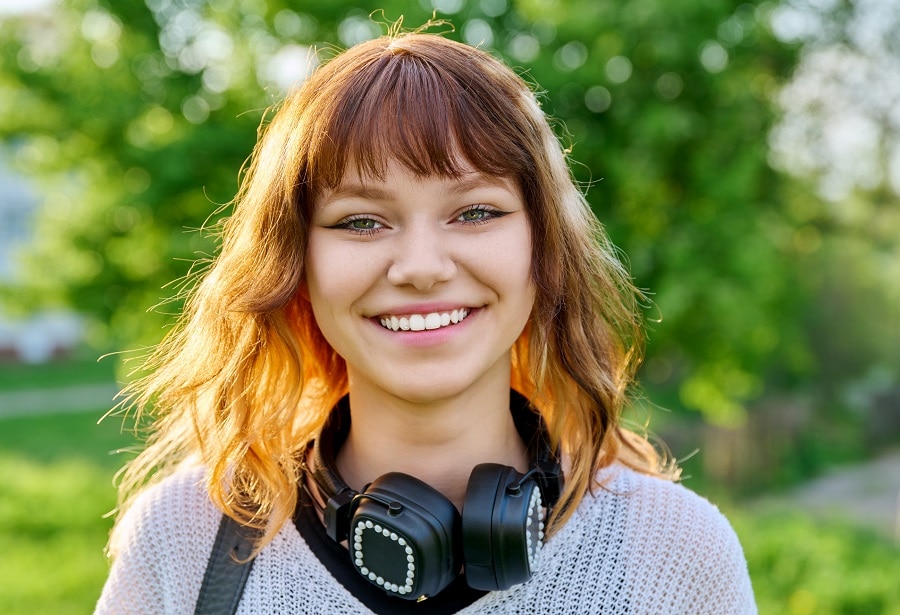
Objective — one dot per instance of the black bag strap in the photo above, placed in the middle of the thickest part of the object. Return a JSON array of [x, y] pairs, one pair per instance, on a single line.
[[226, 571]]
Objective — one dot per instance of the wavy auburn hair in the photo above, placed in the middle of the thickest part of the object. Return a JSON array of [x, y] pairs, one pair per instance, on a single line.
[[246, 379]]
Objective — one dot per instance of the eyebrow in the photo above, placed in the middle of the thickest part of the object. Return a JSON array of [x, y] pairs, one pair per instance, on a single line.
[[477, 180], [358, 190], [471, 182]]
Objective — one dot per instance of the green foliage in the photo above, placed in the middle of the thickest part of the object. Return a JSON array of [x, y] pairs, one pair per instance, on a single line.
[[55, 489], [97, 112], [52, 535], [800, 566]]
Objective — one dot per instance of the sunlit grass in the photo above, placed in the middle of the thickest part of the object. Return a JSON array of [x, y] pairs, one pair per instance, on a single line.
[[51, 534], [803, 567], [69, 372], [55, 487]]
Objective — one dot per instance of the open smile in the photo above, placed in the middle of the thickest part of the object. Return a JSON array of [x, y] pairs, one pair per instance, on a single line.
[[423, 322]]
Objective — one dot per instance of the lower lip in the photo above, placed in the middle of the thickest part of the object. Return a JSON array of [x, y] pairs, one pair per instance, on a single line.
[[428, 337]]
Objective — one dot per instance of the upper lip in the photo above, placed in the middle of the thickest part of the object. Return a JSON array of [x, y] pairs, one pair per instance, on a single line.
[[423, 308]]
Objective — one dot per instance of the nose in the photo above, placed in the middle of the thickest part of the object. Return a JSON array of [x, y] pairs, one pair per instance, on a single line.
[[421, 259]]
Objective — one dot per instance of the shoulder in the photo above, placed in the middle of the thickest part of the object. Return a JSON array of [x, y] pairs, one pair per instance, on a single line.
[[658, 506], [159, 547], [169, 511], [674, 543]]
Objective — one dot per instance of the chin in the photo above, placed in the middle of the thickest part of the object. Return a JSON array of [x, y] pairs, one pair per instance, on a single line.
[[430, 391], [428, 394]]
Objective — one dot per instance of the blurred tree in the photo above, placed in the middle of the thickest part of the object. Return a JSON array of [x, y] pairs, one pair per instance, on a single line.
[[669, 103], [138, 116], [839, 132]]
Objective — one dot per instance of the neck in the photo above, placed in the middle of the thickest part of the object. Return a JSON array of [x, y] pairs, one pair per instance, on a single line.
[[437, 441]]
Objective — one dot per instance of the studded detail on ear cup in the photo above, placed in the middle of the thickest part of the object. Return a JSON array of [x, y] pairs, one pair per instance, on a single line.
[[404, 536], [501, 525]]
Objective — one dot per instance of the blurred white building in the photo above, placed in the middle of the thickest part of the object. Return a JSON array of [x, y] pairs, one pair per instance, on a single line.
[[42, 334]]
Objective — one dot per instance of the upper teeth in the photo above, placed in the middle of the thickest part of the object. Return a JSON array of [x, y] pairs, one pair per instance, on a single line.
[[421, 322]]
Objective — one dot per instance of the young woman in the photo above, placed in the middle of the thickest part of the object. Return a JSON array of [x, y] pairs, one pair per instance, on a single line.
[[402, 376]]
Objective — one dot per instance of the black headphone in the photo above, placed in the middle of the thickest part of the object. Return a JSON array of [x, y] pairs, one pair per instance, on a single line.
[[408, 539]]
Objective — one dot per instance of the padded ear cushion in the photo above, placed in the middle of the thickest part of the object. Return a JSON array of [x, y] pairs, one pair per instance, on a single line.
[[501, 527], [404, 536]]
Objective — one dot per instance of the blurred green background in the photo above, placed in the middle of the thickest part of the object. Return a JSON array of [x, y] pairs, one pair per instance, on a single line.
[[744, 157]]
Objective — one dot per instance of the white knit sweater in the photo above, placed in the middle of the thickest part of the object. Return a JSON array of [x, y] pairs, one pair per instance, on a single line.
[[641, 545]]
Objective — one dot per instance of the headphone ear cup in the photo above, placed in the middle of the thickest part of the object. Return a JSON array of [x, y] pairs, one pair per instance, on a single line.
[[404, 536], [502, 527]]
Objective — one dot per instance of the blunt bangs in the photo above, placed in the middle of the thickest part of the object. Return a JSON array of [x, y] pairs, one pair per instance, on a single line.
[[435, 106]]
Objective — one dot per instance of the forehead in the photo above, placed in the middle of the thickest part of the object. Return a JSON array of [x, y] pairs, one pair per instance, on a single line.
[[397, 178]]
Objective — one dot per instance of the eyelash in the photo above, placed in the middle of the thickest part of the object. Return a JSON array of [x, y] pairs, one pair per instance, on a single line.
[[489, 214]]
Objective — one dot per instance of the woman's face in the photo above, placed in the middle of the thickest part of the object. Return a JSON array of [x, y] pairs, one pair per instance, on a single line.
[[422, 284]]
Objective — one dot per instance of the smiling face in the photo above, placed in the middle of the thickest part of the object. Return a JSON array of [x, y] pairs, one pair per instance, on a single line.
[[422, 284]]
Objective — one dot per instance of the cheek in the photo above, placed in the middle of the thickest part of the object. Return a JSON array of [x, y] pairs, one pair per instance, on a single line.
[[517, 255], [324, 262], [319, 282], [324, 301], [337, 276]]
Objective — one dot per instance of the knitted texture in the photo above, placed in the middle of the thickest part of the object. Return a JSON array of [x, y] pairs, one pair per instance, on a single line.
[[639, 545]]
